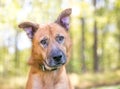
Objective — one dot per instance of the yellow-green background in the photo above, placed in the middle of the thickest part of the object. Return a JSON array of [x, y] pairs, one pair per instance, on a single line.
[[15, 46]]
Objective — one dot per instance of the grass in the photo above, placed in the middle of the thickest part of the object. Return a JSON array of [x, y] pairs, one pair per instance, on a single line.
[[89, 80], [107, 80], [12, 82], [108, 87]]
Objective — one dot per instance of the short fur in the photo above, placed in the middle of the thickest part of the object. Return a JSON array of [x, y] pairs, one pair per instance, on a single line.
[[42, 76]]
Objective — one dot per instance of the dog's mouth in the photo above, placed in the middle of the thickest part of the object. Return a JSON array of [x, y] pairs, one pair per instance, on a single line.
[[46, 67], [54, 61]]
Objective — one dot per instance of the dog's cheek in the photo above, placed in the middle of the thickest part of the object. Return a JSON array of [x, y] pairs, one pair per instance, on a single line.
[[64, 49], [68, 45], [43, 56], [30, 61], [36, 52], [42, 53]]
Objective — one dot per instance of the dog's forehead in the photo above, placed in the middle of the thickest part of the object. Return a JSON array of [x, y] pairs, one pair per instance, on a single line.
[[50, 29]]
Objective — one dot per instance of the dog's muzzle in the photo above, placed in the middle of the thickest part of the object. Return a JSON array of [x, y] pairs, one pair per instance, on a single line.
[[55, 60], [44, 68]]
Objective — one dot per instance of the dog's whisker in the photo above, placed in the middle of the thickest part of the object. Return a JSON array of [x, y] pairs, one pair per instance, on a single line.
[[43, 67]]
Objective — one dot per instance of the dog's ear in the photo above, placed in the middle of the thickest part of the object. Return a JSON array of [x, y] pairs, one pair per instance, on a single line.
[[64, 18], [29, 27]]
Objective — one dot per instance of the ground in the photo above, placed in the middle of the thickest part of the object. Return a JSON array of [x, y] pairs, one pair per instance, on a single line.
[[107, 80]]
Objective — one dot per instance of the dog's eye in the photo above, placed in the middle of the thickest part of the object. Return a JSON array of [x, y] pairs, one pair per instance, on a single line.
[[44, 42], [60, 39]]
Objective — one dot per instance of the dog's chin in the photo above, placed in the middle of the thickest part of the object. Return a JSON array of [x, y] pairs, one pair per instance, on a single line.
[[46, 66], [50, 68]]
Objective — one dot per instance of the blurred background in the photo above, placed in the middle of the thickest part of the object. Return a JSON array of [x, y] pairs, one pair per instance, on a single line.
[[94, 28]]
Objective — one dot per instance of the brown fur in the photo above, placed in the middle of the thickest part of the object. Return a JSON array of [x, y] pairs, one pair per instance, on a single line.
[[39, 79]]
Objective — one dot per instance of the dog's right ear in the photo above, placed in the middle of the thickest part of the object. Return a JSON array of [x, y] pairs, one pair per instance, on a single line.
[[29, 27], [64, 18]]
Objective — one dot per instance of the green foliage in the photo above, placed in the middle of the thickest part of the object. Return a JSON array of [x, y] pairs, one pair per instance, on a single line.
[[12, 12]]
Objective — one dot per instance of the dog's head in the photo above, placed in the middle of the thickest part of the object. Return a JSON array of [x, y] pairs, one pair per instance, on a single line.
[[50, 43]]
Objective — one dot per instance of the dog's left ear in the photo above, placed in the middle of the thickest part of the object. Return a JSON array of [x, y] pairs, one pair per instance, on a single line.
[[29, 27], [64, 18]]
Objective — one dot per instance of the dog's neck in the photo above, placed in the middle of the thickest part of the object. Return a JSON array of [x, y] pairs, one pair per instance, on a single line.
[[50, 78], [40, 68]]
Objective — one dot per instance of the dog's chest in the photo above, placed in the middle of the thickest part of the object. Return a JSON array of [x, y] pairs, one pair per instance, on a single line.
[[43, 82], [49, 82]]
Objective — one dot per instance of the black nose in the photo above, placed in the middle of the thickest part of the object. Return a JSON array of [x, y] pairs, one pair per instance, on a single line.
[[57, 58]]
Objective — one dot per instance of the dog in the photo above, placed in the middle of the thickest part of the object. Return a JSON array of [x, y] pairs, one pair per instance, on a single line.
[[51, 47]]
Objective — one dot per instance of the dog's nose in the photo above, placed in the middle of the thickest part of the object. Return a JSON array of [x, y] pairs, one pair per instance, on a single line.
[[57, 58]]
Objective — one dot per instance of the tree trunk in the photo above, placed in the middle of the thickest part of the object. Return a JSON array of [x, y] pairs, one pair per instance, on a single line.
[[118, 25], [96, 61], [103, 51], [95, 55], [16, 50], [83, 46]]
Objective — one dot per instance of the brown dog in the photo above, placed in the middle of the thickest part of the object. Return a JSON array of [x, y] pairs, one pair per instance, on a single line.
[[51, 47]]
